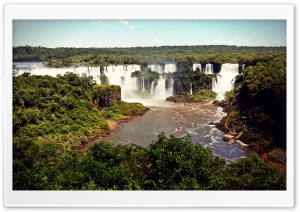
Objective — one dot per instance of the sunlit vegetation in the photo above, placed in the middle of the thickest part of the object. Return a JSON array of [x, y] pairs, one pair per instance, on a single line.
[[55, 118], [259, 104], [200, 95], [182, 55], [166, 164], [61, 109]]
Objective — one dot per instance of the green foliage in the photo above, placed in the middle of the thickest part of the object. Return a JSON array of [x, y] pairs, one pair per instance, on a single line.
[[181, 97], [201, 95], [106, 95], [183, 78], [184, 56], [261, 99], [124, 110], [150, 75], [177, 164], [253, 173], [46, 106], [52, 116], [166, 164]]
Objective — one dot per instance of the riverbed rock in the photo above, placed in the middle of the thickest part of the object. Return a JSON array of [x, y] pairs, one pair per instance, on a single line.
[[228, 137]]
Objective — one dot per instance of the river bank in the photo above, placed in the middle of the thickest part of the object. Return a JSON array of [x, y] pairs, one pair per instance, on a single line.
[[200, 120], [272, 154]]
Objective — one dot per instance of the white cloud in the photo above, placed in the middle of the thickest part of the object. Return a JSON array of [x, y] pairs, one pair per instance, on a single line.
[[94, 23], [102, 23], [241, 39], [230, 43], [216, 41], [124, 22], [157, 41], [97, 22]]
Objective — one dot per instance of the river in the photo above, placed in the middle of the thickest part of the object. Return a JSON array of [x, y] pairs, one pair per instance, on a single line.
[[193, 118]]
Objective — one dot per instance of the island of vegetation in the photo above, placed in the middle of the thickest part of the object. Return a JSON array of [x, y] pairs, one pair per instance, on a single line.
[[55, 118], [199, 96]]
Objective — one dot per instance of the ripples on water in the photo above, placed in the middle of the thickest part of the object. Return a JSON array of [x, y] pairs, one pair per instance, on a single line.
[[194, 118]]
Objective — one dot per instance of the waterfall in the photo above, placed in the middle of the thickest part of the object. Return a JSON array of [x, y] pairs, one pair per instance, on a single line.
[[152, 88], [157, 68], [209, 69], [167, 68], [143, 84], [191, 88], [160, 89], [169, 91], [170, 68], [116, 75], [196, 65], [225, 80]]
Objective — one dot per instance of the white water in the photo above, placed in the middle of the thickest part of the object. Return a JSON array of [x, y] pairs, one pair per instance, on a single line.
[[157, 68], [117, 75], [143, 84], [152, 88], [167, 68], [169, 91], [196, 65], [225, 80], [160, 89], [121, 75], [209, 69], [170, 68]]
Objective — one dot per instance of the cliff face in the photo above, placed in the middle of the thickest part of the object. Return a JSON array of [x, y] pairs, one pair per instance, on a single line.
[[106, 95]]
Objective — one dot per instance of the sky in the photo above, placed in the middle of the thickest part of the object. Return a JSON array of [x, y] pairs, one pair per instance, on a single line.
[[133, 33]]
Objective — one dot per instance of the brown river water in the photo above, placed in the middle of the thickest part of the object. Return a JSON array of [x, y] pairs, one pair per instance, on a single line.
[[192, 118]]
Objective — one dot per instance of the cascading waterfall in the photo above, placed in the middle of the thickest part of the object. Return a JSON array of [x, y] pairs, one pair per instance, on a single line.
[[116, 75], [196, 65], [156, 68], [170, 68], [160, 89], [169, 91], [167, 68], [209, 69], [225, 80], [142, 84], [191, 88], [152, 88]]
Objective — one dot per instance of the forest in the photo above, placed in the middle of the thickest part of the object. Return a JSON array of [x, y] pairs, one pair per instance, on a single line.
[[184, 56], [259, 104], [57, 120]]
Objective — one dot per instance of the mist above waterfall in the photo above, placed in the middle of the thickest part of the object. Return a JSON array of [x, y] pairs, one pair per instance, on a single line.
[[133, 84]]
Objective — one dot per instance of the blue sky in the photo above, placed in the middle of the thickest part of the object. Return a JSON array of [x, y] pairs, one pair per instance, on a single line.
[[132, 33]]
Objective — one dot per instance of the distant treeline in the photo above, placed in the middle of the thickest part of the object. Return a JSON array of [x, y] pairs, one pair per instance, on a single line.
[[182, 55]]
